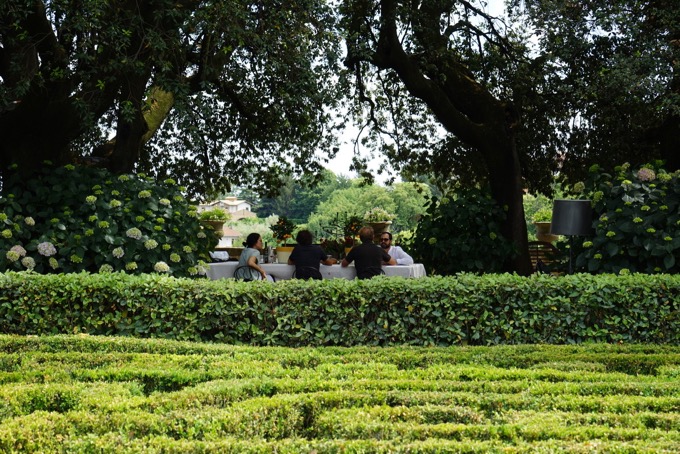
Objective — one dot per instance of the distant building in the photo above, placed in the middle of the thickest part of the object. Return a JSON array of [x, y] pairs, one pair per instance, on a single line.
[[238, 209], [230, 235]]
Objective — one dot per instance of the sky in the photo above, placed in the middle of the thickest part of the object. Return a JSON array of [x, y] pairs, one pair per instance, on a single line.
[[341, 163]]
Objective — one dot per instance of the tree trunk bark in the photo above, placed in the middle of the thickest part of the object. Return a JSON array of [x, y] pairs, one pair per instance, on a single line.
[[466, 109]]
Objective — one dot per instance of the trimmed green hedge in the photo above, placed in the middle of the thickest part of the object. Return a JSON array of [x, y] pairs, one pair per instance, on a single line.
[[462, 309], [97, 394]]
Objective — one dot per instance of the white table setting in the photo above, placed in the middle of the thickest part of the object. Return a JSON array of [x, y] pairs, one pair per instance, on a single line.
[[281, 271]]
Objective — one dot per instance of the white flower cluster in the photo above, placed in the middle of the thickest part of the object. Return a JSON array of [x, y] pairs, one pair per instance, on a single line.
[[46, 249], [161, 267], [134, 233]]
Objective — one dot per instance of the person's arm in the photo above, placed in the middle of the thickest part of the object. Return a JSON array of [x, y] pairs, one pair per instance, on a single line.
[[401, 256], [348, 259], [387, 259], [325, 259], [252, 262]]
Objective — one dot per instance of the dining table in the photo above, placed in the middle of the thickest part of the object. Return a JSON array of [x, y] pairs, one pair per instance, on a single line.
[[282, 271]]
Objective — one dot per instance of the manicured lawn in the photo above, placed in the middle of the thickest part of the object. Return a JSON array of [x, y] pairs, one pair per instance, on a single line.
[[93, 394]]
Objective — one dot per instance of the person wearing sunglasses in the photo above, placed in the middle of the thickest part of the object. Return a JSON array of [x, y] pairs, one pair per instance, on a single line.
[[396, 252]]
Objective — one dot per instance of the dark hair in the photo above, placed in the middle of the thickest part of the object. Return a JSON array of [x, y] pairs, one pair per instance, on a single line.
[[366, 234], [304, 237], [251, 240], [388, 234]]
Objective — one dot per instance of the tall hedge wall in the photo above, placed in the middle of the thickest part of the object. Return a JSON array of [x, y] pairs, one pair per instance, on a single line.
[[454, 310]]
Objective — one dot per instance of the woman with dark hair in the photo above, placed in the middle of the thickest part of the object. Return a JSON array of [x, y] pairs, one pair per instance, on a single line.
[[307, 257], [248, 263]]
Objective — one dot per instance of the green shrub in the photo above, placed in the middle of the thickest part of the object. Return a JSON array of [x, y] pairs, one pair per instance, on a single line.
[[461, 309], [214, 214], [637, 221], [72, 219], [461, 233], [87, 394]]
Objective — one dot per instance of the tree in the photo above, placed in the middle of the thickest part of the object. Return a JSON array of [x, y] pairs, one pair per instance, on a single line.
[[405, 200], [210, 92], [609, 81], [297, 199], [424, 63]]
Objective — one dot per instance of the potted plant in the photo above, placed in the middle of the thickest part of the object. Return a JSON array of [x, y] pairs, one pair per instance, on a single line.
[[214, 219], [380, 219], [350, 231], [542, 220], [282, 230]]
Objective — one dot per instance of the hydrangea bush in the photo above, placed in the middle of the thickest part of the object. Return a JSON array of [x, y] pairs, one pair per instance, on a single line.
[[461, 232], [637, 221], [71, 219]]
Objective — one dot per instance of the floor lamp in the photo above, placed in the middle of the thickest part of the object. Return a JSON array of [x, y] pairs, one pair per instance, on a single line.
[[571, 217]]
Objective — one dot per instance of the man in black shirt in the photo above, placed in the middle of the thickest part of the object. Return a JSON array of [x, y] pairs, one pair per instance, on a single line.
[[368, 257]]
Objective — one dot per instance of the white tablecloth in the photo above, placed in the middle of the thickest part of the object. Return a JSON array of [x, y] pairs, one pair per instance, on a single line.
[[284, 272]]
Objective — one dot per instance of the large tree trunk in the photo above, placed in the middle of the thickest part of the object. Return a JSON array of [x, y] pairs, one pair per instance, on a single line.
[[465, 108]]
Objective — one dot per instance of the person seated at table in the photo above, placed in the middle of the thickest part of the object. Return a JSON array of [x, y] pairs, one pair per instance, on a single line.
[[395, 252], [307, 257], [250, 258], [368, 257]]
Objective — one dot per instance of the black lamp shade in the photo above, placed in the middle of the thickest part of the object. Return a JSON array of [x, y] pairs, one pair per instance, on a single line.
[[572, 217]]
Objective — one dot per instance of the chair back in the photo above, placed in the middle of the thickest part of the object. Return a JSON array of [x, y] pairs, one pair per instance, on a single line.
[[370, 272], [543, 255], [243, 273], [307, 272]]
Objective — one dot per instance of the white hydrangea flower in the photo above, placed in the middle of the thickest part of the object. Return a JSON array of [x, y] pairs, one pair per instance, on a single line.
[[151, 244], [19, 250], [105, 268], [161, 267], [29, 221], [46, 249], [118, 252], [28, 262], [134, 233]]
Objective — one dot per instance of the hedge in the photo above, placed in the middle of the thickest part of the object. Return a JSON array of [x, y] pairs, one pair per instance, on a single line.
[[454, 310], [87, 394]]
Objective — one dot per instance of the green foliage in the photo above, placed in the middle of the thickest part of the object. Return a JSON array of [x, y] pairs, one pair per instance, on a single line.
[[282, 230], [617, 69], [82, 394], [72, 219], [534, 204], [378, 214], [405, 200], [298, 199], [214, 214], [542, 215], [248, 103], [637, 221], [456, 310], [461, 232]]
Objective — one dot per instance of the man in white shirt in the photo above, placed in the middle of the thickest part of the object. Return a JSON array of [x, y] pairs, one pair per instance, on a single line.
[[395, 252]]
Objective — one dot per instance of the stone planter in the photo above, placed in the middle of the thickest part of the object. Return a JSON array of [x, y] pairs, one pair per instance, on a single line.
[[283, 253], [216, 226], [380, 227], [543, 232]]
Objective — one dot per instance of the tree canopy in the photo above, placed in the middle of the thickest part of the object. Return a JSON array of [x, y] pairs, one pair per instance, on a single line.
[[607, 78], [427, 66], [241, 90], [405, 200]]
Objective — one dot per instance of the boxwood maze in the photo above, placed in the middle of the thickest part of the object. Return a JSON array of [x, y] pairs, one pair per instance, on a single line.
[[82, 394]]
